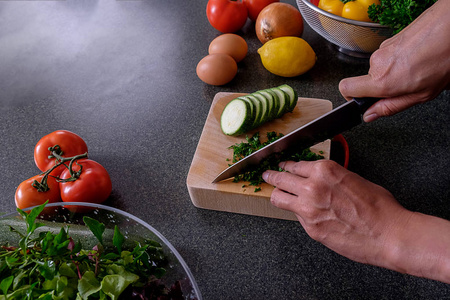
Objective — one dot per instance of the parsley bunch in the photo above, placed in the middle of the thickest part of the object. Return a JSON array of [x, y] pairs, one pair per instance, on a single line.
[[253, 174], [49, 265], [397, 14]]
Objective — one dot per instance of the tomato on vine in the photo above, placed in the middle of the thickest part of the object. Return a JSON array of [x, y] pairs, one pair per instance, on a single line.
[[36, 190], [64, 143], [227, 16], [254, 7], [84, 181]]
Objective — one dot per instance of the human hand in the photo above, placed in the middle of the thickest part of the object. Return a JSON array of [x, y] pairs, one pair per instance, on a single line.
[[361, 220], [411, 67], [338, 208]]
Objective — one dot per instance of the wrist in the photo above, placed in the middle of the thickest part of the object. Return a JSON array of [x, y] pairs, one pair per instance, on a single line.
[[419, 246]]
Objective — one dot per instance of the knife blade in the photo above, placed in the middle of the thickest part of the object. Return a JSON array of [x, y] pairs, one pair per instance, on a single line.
[[338, 120]]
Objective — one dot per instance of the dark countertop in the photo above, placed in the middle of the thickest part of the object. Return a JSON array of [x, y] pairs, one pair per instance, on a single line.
[[121, 74]]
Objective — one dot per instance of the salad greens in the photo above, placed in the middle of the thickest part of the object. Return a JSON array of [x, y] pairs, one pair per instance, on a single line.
[[52, 266], [397, 14], [253, 174]]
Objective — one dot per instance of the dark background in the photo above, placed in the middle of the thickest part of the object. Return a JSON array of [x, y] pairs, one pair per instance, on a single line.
[[121, 74]]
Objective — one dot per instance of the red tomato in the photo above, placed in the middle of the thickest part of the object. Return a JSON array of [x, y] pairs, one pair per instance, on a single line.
[[227, 16], [315, 2], [27, 195], [255, 6], [70, 143], [93, 185]]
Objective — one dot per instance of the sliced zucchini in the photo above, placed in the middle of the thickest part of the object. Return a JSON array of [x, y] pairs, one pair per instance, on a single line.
[[283, 101], [293, 98], [252, 108], [277, 103], [250, 111], [258, 109], [265, 110], [236, 117], [273, 103]]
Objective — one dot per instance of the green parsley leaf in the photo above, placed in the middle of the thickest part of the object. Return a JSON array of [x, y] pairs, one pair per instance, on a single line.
[[253, 174], [397, 14]]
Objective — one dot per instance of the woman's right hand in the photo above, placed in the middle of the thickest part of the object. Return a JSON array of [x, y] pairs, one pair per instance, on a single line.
[[411, 67]]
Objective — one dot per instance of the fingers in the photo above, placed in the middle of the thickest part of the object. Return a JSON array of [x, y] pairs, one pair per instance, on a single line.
[[301, 168], [359, 86], [282, 180], [288, 181], [283, 200]]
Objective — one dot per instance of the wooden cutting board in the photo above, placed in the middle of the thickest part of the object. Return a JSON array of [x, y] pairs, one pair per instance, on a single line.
[[212, 152]]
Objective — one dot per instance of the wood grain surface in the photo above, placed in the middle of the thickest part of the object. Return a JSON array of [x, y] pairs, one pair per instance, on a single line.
[[212, 152]]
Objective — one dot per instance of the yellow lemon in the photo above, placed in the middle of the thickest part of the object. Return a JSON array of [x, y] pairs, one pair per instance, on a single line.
[[287, 56]]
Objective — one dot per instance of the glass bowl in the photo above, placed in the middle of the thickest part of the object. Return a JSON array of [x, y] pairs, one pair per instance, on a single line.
[[354, 38], [55, 216]]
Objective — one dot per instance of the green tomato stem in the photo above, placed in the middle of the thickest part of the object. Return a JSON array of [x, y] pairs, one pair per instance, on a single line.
[[56, 152]]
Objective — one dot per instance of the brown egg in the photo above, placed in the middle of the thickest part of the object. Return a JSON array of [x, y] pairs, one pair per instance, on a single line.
[[231, 44], [217, 69]]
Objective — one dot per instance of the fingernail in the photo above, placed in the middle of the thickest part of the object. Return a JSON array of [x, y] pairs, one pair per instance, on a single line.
[[370, 117], [282, 164], [265, 175]]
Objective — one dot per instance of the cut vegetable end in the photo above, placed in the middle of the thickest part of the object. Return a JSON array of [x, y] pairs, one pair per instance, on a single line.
[[235, 117], [251, 111]]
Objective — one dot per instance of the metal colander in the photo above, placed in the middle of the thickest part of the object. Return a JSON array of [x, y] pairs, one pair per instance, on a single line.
[[351, 37]]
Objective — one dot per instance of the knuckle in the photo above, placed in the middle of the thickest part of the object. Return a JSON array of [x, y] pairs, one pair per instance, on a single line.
[[275, 178], [325, 166], [296, 167], [388, 110], [310, 214]]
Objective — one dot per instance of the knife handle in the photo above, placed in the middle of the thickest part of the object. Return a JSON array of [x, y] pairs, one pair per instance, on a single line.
[[365, 103]]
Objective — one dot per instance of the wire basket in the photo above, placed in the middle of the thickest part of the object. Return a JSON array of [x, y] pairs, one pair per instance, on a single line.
[[354, 38]]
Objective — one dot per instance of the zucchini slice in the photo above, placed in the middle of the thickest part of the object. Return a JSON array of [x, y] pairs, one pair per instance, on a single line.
[[283, 101], [293, 98], [252, 108], [273, 103], [258, 109], [247, 112], [236, 117], [265, 110]]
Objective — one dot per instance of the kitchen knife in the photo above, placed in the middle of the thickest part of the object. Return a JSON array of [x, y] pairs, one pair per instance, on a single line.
[[340, 119]]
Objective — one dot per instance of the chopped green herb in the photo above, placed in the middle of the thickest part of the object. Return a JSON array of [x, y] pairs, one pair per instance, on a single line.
[[257, 189], [254, 173]]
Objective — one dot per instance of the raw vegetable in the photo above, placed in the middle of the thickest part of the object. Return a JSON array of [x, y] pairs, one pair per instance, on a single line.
[[350, 9], [64, 143], [68, 178], [248, 112], [36, 190], [227, 16], [254, 7], [277, 20], [85, 181], [398, 14], [254, 173], [49, 266]]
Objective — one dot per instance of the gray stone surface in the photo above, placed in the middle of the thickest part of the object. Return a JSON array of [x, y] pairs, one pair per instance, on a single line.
[[121, 74]]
